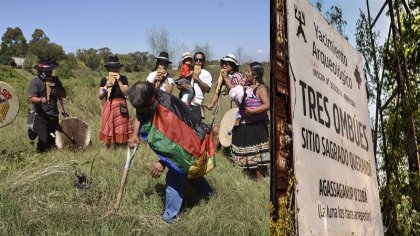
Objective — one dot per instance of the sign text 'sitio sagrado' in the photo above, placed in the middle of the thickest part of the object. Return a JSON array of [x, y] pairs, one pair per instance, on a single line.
[[337, 190]]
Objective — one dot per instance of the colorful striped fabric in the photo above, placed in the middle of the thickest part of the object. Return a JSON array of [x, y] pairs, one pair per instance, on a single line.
[[180, 140], [115, 128]]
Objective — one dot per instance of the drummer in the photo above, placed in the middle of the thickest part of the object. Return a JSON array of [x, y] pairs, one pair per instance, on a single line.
[[44, 92]]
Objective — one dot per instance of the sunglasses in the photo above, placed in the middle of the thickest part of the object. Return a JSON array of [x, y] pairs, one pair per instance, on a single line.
[[198, 60]]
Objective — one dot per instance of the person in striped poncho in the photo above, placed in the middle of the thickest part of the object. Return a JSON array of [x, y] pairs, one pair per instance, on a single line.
[[181, 141]]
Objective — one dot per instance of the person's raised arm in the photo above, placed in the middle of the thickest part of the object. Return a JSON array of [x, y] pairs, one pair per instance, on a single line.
[[203, 86], [123, 87]]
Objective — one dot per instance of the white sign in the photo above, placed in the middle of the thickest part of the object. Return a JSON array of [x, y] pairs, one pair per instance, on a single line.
[[337, 190]]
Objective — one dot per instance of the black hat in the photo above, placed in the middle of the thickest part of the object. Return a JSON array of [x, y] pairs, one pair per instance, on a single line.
[[163, 56], [113, 61], [45, 65]]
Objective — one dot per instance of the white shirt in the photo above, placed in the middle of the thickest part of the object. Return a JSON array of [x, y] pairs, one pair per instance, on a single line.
[[151, 78], [204, 76]]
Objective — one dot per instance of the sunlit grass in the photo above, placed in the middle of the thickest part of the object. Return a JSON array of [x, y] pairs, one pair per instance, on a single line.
[[38, 196]]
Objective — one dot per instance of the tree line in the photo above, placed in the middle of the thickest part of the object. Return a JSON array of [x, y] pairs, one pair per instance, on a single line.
[[14, 44]]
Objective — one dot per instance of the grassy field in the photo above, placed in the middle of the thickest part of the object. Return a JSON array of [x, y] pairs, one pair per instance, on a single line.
[[38, 196]]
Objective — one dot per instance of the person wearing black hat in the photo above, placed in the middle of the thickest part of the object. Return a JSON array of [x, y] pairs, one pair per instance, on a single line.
[[115, 119], [159, 76], [44, 92]]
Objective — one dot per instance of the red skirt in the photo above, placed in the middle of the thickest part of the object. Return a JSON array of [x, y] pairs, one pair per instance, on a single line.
[[115, 127]]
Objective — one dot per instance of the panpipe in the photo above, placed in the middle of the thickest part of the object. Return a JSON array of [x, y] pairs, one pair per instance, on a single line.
[[219, 83], [197, 69], [112, 76], [49, 82], [159, 72]]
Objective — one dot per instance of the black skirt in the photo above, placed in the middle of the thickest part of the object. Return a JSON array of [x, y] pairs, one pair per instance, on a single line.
[[250, 144]]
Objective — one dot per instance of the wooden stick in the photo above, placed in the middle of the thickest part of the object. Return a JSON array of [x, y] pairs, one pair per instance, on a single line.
[[130, 155]]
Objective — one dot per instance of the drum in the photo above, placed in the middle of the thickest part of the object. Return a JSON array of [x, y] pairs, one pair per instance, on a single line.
[[9, 104], [226, 125], [72, 133]]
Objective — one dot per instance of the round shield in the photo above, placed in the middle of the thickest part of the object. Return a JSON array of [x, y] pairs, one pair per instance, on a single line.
[[225, 132], [72, 133], [9, 104]]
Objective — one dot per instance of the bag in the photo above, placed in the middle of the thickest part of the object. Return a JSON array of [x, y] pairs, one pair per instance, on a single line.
[[30, 122], [123, 109]]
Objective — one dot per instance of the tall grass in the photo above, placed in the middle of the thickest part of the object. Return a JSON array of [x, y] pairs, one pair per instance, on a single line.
[[38, 196]]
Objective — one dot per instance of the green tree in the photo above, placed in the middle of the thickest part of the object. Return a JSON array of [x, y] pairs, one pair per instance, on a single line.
[[104, 53], [14, 42], [142, 61], [334, 16], [65, 70], [90, 58], [370, 54], [396, 100], [39, 36], [5, 56], [41, 47]]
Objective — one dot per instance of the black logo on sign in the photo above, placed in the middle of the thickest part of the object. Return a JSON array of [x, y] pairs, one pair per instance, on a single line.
[[357, 75], [300, 16]]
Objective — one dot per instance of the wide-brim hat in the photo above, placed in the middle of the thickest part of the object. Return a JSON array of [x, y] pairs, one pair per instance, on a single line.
[[163, 56], [113, 61], [231, 58], [45, 65], [186, 55]]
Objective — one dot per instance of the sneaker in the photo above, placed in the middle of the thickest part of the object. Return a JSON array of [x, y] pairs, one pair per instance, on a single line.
[[170, 221]]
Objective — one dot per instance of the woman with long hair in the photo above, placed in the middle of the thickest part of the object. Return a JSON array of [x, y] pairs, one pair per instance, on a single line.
[[250, 139]]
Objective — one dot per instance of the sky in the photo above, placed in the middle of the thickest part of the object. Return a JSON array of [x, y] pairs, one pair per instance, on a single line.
[[123, 25], [351, 13]]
